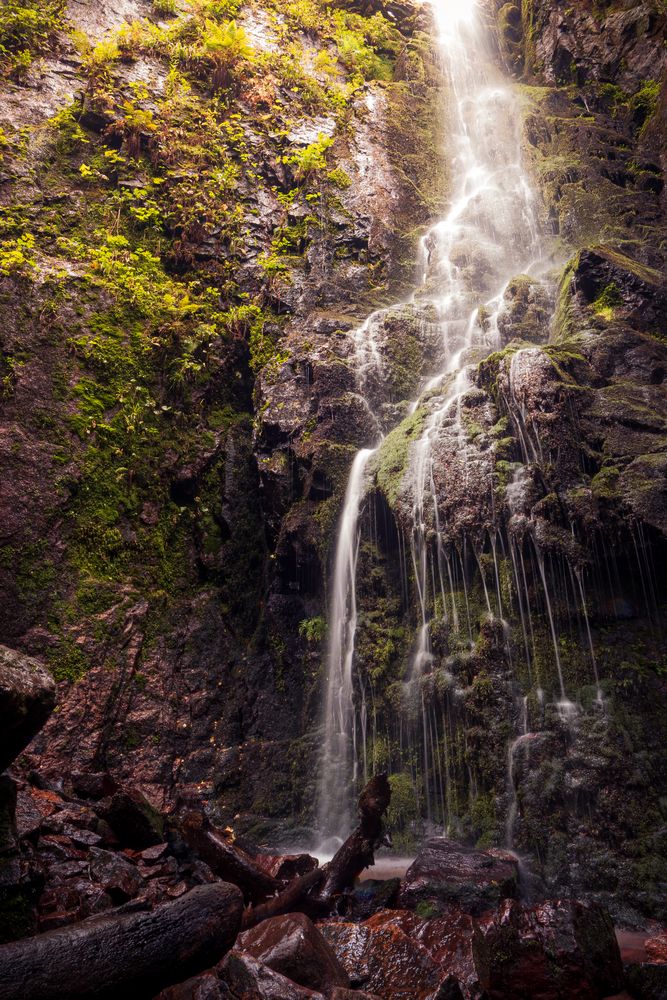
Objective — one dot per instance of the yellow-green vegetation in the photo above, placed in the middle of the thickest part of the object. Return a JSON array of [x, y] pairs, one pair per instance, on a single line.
[[608, 300], [313, 629], [27, 29]]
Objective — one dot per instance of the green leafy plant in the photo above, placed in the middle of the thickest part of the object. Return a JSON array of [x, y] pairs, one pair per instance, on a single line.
[[226, 45], [27, 28], [312, 159], [313, 629]]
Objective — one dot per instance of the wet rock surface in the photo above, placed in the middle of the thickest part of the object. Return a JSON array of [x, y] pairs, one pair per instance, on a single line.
[[293, 946], [379, 956], [168, 544], [462, 878], [555, 949]]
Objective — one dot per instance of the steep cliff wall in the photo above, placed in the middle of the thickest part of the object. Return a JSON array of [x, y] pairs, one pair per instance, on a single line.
[[199, 207]]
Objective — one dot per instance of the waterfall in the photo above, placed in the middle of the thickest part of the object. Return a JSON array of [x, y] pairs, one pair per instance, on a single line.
[[489, 234], [339, 759]]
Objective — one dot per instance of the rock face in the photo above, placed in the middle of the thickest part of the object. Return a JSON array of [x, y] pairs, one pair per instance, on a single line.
[[181, 398], [461, 878], [380, 957], [27, 698]]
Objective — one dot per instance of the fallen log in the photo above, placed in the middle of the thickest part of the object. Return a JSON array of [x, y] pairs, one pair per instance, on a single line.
[[128, 955], [226, 860], [314, 893]]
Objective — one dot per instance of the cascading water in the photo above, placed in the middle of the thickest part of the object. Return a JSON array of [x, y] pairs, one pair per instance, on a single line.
[[489, 234]]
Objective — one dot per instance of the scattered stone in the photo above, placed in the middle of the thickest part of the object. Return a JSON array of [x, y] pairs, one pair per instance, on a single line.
[[133, 819], [115, 874], [293, 946], [206, 987], [656, 949], [93, 784], [448, 874], [154, 854], [27, 698], [247, 977]]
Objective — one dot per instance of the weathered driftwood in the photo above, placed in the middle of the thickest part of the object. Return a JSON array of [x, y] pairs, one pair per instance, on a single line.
[[130, 955], [226, 860], [358, 851], [315, 892]]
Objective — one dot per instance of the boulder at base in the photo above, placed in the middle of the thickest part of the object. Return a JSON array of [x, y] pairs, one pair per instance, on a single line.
[[447, 874], [293, 946], [27, 698], [245, 976], [382, 956], [549, 951]]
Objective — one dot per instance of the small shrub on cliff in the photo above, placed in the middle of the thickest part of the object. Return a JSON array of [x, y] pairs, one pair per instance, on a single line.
[[17, 256], [312, 159], [226, 45], [313, 629]]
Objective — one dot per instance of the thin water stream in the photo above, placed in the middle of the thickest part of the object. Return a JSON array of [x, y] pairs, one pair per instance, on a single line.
[[489, 234]]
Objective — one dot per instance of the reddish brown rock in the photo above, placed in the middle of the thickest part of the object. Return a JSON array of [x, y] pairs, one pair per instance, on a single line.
[[449, 989], [285, 867], [27, 698], [249, 979], [382, 956], [204, 987], [293, 946], [656, 949], [154, 854], [342, 993], [448, 940], [450, 874], [114, 874], [553, 950], [93, 784]]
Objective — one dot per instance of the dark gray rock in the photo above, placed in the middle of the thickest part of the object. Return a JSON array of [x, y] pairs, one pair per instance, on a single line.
[[27, 698], [458, 876]]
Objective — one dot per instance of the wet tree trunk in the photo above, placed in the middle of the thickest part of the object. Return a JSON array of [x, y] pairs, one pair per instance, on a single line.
[[128, 955]]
